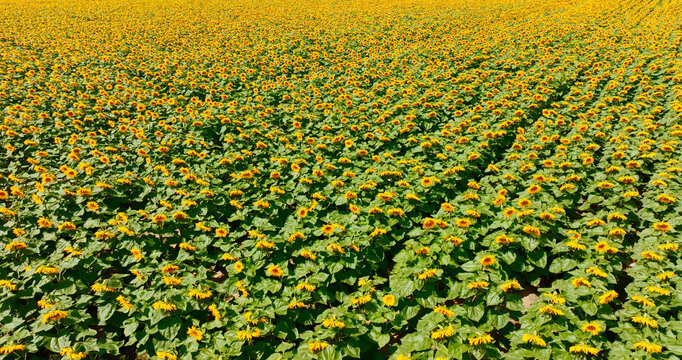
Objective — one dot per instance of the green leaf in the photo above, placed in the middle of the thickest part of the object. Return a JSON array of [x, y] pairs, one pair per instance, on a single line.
[[382, 340], [475, 313], [493, 298], [104, 312]]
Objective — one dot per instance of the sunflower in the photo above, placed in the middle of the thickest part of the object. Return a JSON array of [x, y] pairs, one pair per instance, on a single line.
[[447, 207], [487, 260], [533, 339], [429, 223], [389, 300], [317, 346], [592, 327], [8, 349], [463, 223], [485, 339], [195, 333], [327, 229], [662, 226], [648, 347], [645, 321], [585, 349], [275, 270]]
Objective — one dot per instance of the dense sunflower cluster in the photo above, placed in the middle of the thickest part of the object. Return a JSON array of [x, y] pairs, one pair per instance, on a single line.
[[403, 179]]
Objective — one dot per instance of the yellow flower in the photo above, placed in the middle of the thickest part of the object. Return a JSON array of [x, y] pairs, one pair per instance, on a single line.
[[195, 333], [101, 288], [645, 321], [648, 347], [592, 327], [427, 181], [395, 212], [264, 244], [579, 281], [8, 349], [137, 254], [187, 247], [166, 355], [665, 198], [487, 260], [513, 284], [164, 306], [668, 247], [658, 290], [596, 272], [307, 287], [296, 305], [389, 300], [47, 270], [454, 240], [328, 229], [429, 223], [443, 333], [248, 335], [631, 194], [427, 274], [533, 339], [336, 248], [422, 251], [651, 256], [200, 295], [523, 203], [447, 207], [44, 223], [317, 346], [662, 226], [308, 254], [478, 285], [443, 310], [485, 339], [463, 223], [214, 311], [54, 315], [361, 300], [509, 212], [641, 300], [531, 230], [73, 354], [333, 323], [504, 239], [534, 189], [666, 275], [549, 309], [556, 299], [169, 269], [607, 297], [45, 305], [124, 302], [585, 349], [295, 236], [16, 245], [275, 270]]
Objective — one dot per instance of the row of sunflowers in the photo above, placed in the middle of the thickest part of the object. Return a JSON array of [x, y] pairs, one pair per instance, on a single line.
[[401, 179]]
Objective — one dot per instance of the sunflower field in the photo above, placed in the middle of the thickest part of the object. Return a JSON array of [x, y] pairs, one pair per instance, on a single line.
[[397, 179]]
